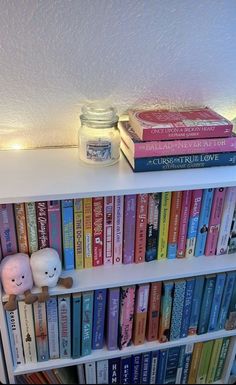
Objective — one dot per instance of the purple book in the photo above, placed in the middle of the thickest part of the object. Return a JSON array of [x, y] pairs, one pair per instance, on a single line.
[[129, 229], [113, 303], [7, 230], [54, 226]]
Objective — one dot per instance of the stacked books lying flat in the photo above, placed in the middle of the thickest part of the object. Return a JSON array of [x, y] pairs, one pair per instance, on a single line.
[[200, 363], [72, 326], [91, 232], [67, 375], [154, 140]]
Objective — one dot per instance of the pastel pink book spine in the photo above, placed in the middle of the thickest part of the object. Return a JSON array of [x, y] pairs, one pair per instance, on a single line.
[[215, 221], [118, 229], [54, 226], [141, 228], [127, 304], [108, 230], [7, 230], [183, 226]]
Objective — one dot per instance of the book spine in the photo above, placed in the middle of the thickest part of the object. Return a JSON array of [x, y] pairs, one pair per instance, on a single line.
[[154, 365], [102, 372], [164, 225], [81, 374], [190, 283], [41, 332], [222, 357], [79, 233], [204, 362], [118, 229], [153, 216], [42, 224], [215, 219], [99, 318], [193, 222], [21, 228], [141, 226], [183, 226], [76, 324], [64, 317], [232, 236], [153, 311], [161, 370], [203, 223], [125, 370], [32, 230], [68, 234], [7, 230], [180, 364], [88, 233], [176, 203], [108, 230], [186, 363], [196, 305], [140, 316], [145, 369], [216, 302], [136, 369], [27, 331], [231, 316], [208, 294], [90, 373], [214, 360], [114, 371], [52, 325], [87, 323], [126, 316], [197, 351], [165, 314], [113, 303], [14, 331], [172, 365], [226, 221], [177, 310], [228, 290], [129, 229], [98, 223], [54, 226]]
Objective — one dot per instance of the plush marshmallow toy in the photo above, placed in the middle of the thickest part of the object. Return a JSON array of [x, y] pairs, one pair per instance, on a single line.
[[46, 270], [16, 277]]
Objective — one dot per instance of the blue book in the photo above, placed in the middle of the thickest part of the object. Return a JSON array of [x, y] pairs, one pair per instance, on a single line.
[[53, 328], [76, 325], [187, 363], [208, 294], [114, 370], [136, 368], [178, 161], [228, 290], [177, 310], [87, 321], [99, 318], [161, 371], [68, 233], [125, 370], [216, 303], [172, 365], [189, 291], [196, 305], [146, 366], [154, 365], [180, 365], [203, 223]]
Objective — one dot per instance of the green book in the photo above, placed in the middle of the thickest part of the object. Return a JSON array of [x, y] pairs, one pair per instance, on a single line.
[[214, 360], [204, 362], [221, 361]]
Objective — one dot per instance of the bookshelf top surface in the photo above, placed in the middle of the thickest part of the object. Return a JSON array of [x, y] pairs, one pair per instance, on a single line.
[[44, 174]]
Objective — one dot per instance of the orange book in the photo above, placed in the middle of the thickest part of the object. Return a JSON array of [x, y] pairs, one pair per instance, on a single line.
[[21, 228], [140, 316], [153, 311], [175, 212]]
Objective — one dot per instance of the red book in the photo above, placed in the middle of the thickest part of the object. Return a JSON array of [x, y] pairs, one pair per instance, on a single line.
[[98, 219], [108, 229], [153, 311], [42, 224], [141, 227]]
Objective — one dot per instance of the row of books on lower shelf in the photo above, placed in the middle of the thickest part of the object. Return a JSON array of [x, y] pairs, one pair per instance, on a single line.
[[200, 363], [123, 229], [72, 326]]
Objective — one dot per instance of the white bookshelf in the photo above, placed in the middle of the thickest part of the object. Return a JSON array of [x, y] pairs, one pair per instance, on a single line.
[[46, 174]]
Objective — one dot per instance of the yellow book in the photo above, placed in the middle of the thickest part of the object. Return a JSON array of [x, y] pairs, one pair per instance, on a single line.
[[195, 363], [214, 360], [164, 225], [204, 362], [88, 233], [79, 233]]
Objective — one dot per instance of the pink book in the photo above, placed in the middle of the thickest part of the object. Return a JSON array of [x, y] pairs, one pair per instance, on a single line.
[[146, 149], [54, 226], [42, 224], [179, 124], [98, 223], [108, 230], [0, 251], [215, 221], [7, 230], [183, 225], [141, 228], [118, 229], [127, 301], [129, 228]]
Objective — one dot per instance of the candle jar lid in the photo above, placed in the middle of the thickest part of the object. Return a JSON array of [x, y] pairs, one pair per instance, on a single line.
[[99, 115]]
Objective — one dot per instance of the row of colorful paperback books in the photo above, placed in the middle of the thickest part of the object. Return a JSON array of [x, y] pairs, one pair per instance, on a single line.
[[73, 326], [123, 229], [200, 363]]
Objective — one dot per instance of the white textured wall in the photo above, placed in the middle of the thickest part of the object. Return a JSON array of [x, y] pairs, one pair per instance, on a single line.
[[54, 54]]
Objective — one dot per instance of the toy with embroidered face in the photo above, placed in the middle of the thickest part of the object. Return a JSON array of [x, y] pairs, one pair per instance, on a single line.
[[16, 277], [46, 270]]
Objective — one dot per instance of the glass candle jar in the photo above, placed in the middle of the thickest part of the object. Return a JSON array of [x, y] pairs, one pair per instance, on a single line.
[[99, 136]]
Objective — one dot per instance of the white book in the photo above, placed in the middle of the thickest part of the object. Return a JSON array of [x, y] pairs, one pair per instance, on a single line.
[[90, 373], [15, 337], [118, 229], [27, 330], [226, 221], [81, 374], [53, 332], [102, 372]]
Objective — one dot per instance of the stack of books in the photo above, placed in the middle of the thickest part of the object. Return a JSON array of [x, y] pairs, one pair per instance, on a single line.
[[154, 140]]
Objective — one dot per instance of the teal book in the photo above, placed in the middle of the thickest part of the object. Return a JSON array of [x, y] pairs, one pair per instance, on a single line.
[[87, 323], [231, 317], [166, 309], [76, 325], [208, 294], [216, 303], [177, 311], [228, 290]]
